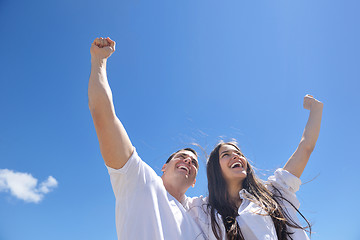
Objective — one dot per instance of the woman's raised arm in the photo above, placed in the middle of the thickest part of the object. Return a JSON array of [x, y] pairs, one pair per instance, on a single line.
[[297, 162]]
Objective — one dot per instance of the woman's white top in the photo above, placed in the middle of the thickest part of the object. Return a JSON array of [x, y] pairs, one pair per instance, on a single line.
[[253, 220]]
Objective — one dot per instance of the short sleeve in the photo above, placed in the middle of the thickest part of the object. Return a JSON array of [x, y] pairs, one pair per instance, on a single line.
[[131, 177], [131, 163]]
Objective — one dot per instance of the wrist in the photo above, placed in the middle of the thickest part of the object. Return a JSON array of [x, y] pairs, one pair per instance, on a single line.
[[98, 62], [317, 106]]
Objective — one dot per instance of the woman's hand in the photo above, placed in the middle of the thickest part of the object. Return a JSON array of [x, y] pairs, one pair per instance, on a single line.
[[310, 103]]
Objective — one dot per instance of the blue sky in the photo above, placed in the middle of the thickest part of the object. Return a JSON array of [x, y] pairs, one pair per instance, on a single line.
[[183, 72]]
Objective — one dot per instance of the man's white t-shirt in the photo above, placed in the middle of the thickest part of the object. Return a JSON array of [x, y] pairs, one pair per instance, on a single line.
[[144, 209]]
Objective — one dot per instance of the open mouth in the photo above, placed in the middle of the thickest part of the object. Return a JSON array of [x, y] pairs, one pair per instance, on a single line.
[[236, 165], [185, 168]]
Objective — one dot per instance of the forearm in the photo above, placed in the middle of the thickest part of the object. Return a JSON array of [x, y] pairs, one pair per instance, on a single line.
[[312, 128], [99, 92]]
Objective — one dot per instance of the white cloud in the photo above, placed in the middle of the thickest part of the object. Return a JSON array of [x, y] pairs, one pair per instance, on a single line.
[[24, 186], [46, 186]]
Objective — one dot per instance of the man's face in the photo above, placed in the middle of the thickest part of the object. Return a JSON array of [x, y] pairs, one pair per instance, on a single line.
[[182, 168]]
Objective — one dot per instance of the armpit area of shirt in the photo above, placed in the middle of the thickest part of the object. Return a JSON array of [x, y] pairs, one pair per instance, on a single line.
[[134, 159]]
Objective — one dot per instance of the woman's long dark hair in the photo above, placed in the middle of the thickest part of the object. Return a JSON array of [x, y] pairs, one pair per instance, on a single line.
[[220, 201]]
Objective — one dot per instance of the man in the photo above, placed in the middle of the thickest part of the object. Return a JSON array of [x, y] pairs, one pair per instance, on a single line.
[[147, 206]]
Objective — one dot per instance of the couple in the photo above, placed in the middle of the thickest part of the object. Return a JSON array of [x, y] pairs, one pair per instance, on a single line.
[[239, 205]]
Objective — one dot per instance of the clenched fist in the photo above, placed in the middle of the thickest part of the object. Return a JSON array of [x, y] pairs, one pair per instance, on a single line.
[[310, 103], [102, 48]]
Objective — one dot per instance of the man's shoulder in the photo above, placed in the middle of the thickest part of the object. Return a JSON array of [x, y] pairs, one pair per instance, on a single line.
[[135, 174]]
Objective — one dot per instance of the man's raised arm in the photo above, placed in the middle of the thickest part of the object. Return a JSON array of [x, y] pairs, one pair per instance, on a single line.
[[115, 145]]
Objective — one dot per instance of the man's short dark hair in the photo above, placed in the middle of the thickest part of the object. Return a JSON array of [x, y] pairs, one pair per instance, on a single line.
[[184, 149]]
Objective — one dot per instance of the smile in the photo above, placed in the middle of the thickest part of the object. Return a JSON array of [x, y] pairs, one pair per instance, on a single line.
[[236, 165], [185, 168]]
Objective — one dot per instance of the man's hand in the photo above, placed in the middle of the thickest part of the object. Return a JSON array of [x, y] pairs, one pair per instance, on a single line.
[[310, 103], [102, 48]]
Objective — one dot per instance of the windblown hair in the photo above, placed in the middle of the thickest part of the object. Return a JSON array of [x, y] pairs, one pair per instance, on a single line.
[[185, 149], [220, 201]]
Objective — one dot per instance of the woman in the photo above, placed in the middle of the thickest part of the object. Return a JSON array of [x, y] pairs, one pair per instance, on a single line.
[[241, 206]]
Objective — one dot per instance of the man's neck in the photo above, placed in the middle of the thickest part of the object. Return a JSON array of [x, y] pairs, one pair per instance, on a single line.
[[174, 191], [178, 196]]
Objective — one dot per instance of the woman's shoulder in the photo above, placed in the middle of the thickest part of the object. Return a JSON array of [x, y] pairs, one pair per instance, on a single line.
[[284, 181], [195, 201], [284, 185]]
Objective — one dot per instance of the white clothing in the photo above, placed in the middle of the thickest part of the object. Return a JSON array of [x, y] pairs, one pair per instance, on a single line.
[[253, 225], [144, 209]]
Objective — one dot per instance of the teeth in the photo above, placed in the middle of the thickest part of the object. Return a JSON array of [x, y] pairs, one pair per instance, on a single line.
[[236, 164], [183, 167]]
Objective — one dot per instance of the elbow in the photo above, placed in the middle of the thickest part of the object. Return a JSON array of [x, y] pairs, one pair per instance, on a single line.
[[99, 106], [94, 109], [92, 100], [307, 146], [91, 106], [96, 114], [101, 114]]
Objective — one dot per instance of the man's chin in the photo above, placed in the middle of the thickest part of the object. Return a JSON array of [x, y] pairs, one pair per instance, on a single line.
[[184, 179]]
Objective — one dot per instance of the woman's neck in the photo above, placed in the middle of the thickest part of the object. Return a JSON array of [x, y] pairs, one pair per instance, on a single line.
[[234, 190]]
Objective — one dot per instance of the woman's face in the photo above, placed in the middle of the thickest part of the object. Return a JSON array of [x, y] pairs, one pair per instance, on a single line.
[[233, 163]]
